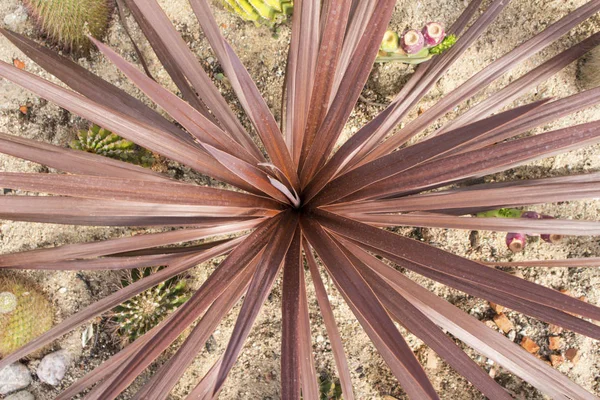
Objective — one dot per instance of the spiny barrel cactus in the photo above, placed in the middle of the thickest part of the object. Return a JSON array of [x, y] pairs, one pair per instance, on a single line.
[[101, 141], [141, 313], [260, 11], [68, 22], [25, 313]]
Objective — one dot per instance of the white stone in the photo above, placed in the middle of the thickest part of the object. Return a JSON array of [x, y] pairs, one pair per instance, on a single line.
[[53, 367], [14, 20], [21, 396], [14, 377]]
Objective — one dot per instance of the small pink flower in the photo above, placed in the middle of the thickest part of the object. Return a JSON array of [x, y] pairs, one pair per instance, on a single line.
[[433, 34], [412, 41]]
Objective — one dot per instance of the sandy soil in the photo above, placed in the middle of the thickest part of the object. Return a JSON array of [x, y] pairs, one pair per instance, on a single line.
[[256, 375]]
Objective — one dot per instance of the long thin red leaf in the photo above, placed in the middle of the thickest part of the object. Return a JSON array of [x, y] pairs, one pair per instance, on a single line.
[[329, 320], [287, 236], [326, 67], [181, 265], [350, 87], [247, 92], [196, 124], [483, 161], [290, 324], [161, 383], [475, 334], [122, 124], [216, 284], [189, 64], [485, 196], [74, 161], [308, 373], [300, 73], [569, 262], [406, 158], [140, 191], [169, 64], [370, 313], [120, 245], [469, 276], [418, 324], [91, 86], [524, 225], [74, 211]]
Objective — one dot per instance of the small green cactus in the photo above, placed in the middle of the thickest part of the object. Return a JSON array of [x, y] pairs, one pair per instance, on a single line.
[[138, 315], [103, 142], [68, 22], [25, 313], [329, 388], [260, 11]]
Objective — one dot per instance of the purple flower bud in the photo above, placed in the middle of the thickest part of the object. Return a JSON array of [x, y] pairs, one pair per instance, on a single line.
[[516, 241], [412, 41], [433, 34], [552, 237], [530, 215]]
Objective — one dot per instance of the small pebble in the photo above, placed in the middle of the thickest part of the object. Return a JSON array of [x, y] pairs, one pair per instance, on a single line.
[[555, 329], [529, 345], [496, 307], [573, 355], [503, 323], [53, 367], [556, 359], [62, 290], [21, 396], [554, 342], [15, 19], [512, 335], [14, 377]]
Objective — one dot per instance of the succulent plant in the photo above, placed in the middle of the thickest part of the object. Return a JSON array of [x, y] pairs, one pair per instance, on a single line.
[[414, 46], [143, 312], [260, 11], [25, 312], [103, 142], [309, 196], [516, 241], [329, 387], [68, 22]]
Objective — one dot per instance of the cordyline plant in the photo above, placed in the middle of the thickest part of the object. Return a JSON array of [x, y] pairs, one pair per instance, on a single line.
[[300, 199]]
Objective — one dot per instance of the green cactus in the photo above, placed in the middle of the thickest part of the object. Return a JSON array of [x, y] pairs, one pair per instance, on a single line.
[[68, 22], [25, 313], [101, 141], [391, 50], [446, 44], [138, 315], [260, 11], [329, 388]]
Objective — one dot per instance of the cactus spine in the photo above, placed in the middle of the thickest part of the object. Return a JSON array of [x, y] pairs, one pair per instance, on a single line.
[[138, 315], [103, 142], [25, 313], [68, 22]]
